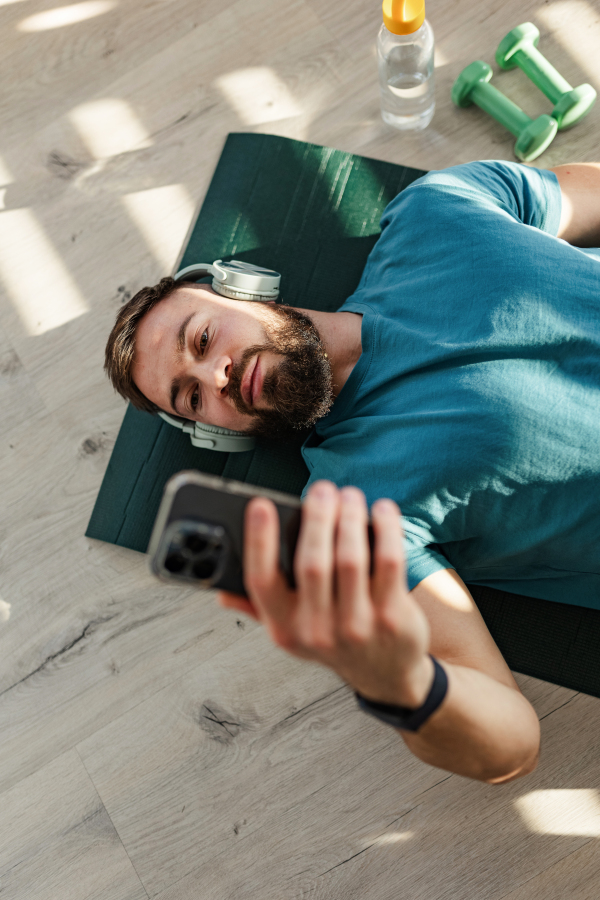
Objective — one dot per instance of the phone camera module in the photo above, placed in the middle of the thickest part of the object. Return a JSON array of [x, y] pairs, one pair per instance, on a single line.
[[195, 551]]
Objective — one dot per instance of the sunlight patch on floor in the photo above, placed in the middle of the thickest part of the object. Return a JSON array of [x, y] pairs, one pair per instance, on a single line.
[[440, 58], [37, 281], [394, 837], [258, 95], [561, 812], [65, 15], [4, 610], [5, 175], [5, 179], [576, 25], [108, 127], [163, 216]]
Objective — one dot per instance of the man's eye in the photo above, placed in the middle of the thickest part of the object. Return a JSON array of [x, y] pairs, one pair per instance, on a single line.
[[194, 400], [203, 340]]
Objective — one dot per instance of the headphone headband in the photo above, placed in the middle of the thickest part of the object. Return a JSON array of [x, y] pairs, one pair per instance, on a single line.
[[235, 279], [238, 281]]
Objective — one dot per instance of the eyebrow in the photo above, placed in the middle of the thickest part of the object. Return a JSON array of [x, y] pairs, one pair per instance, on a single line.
[[175, 386], [180, 347], [181, 333]]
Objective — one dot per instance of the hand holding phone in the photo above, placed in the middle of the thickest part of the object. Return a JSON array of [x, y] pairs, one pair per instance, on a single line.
[[364, 626]]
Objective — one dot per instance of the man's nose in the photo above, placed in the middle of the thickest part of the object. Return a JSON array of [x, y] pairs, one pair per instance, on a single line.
[[220, 373]]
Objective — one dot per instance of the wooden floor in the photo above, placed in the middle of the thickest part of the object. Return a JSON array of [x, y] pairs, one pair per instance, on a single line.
[[152, 745]]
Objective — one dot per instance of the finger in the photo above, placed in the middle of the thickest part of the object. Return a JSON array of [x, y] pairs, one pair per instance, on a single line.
[[353, 610], [263, 579], [313, 566], [389, 572], [237, 602]]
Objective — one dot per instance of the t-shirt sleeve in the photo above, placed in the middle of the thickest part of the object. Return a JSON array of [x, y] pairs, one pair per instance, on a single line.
[[531, 196], [422, 557]]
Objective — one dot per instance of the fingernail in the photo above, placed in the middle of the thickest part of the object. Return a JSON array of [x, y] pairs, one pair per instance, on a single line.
[[322, 490]]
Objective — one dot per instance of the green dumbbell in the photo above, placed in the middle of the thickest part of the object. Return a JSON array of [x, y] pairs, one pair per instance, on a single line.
[[533, 135], [519, 48]]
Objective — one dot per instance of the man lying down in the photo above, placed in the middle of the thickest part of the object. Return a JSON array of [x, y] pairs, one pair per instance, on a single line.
[[461, 380]]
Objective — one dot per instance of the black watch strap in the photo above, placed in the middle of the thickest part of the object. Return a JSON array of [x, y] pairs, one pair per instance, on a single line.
[[401, 716]]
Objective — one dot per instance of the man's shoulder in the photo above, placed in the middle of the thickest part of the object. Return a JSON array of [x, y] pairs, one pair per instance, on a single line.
[[523, 193]]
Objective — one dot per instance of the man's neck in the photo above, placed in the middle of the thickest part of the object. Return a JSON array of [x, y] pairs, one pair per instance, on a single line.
[[340, 333]]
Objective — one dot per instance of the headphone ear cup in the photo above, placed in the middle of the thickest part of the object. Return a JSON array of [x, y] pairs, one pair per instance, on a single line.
[[223, 439], [235, 294], [210, 437], [235, 279]]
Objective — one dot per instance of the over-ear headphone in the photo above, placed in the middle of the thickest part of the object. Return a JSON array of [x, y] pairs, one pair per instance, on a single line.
[[235, 279], [238, 281]]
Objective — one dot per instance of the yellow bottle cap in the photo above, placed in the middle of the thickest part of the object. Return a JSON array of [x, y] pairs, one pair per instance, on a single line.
[[403, 16]]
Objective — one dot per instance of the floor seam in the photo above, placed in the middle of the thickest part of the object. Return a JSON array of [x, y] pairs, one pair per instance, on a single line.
[[112, 823]]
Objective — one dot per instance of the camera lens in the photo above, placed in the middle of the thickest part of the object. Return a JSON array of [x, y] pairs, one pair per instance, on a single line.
[[205, 568], [195, 543], [174, 562]]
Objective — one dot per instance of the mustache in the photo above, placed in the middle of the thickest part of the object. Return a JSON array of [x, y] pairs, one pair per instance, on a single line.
[[237, 373]]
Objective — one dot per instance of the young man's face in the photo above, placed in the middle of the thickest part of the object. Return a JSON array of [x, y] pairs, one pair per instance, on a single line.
[[246, 366]]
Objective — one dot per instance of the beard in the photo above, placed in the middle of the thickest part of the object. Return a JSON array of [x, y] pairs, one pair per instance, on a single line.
[[299, 390]]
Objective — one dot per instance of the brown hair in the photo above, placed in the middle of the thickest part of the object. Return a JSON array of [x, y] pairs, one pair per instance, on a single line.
[[120, 347]]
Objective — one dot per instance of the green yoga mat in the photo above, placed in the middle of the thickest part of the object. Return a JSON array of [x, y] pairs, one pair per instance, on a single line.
[[311, 213]]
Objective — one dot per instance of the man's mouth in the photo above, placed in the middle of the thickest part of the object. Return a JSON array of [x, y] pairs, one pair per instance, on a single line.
[[257, 381], [252, 381]]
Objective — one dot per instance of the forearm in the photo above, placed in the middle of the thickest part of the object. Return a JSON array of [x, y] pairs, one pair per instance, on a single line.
[[483, 729], [364, 624], [580, 193]]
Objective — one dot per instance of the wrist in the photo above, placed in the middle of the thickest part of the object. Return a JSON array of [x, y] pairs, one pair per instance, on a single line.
[[416, 684], [410, 719], [408, 689]]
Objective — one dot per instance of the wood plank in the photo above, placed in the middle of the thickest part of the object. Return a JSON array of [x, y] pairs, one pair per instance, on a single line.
[[58, 840], [370, 833], [287, 731], [575, 876], [293, 783], [91, 633]]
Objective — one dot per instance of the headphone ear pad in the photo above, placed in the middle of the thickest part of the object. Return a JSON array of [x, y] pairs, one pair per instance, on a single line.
[[211, 437], [235, 294]]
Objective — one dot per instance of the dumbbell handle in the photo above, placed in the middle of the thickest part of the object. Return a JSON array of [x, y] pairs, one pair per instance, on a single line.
[[496, 104], [542, 73]]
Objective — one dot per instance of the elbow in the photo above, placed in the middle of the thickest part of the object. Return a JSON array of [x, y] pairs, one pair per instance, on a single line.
[[512, 773]]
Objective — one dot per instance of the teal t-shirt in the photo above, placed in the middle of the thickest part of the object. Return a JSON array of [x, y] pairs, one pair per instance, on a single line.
[[476, 401]]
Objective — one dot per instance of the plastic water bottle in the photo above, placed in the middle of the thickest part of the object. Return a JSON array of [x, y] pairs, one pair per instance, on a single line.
[[405, 55]]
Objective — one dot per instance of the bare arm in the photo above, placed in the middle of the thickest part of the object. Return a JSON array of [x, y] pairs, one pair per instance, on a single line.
[[377, 636], [580, 190], [485, 729]]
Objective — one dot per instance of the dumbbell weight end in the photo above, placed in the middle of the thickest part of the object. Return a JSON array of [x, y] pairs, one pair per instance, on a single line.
[[519, 48], [574, 106], [533, 136], [534, 139]]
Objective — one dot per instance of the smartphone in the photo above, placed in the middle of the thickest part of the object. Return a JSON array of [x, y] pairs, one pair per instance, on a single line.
[[198, 536]]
